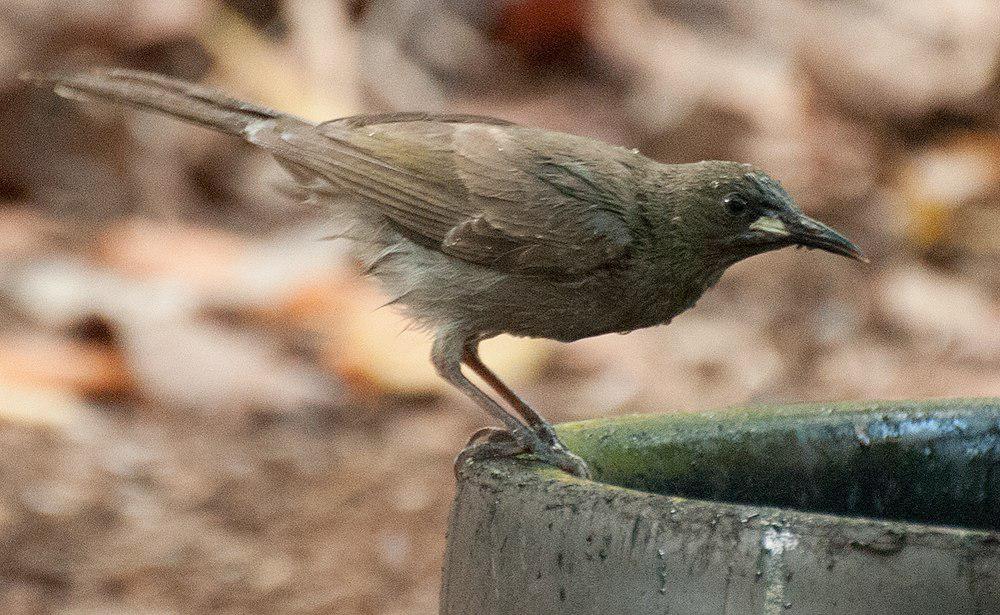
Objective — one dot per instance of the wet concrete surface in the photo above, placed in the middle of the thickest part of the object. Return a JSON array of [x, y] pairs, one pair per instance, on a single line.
[[872, 508]]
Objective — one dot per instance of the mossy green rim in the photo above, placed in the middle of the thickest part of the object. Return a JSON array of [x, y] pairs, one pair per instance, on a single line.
[[929, 462]]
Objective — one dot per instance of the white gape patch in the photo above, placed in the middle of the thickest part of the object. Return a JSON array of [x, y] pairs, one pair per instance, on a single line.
[[767, 224]]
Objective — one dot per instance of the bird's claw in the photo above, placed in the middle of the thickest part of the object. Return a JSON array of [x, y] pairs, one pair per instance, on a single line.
[[496, 443], [546, 433], [488, 449], [562, 458], [488, 434]]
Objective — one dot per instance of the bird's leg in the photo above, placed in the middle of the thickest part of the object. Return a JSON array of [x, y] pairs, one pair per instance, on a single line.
[[537, 422], [447, 361], [447, 355]]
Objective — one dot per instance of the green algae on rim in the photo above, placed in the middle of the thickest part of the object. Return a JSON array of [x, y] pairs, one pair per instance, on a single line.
[[927, 462]]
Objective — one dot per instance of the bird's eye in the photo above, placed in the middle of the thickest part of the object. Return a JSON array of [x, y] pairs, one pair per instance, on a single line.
[[735, 204]]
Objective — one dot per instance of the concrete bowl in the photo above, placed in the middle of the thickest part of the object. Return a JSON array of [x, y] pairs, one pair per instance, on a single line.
[[850, 509]]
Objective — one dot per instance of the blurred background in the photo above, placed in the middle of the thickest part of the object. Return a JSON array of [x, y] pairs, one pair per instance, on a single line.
[[203, 410]]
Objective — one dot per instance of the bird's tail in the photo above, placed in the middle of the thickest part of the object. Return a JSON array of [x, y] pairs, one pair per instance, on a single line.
[[194, 103]]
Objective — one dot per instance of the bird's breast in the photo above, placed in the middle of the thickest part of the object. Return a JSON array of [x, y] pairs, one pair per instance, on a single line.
[[601, 304]]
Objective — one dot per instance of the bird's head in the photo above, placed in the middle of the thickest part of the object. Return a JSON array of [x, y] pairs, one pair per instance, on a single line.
[[735, 211]]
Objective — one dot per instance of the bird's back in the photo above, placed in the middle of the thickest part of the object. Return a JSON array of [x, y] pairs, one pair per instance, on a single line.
[[481, 190]]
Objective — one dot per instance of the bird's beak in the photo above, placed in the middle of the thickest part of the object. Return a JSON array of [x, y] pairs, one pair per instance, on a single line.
[[809, 233]]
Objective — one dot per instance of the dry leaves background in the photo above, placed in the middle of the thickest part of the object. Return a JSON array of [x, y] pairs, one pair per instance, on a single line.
[[202, 408]]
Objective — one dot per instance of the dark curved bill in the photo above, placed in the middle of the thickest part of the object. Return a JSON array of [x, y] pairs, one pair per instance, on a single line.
[[811, 233]]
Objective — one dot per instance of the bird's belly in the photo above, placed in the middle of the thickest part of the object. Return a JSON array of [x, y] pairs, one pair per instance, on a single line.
[[530, 307], [571, 313], [440, 291]]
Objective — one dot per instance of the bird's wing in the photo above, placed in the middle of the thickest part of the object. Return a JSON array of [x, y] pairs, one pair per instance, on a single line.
[[485, 191]]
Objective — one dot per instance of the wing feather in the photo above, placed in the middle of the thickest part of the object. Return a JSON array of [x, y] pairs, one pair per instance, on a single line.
[[491, 193]]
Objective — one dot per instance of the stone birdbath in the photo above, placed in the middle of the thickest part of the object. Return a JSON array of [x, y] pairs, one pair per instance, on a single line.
[[849, 509]]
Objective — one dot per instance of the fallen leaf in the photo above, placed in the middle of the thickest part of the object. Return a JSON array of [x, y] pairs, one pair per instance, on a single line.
[[58, 363]]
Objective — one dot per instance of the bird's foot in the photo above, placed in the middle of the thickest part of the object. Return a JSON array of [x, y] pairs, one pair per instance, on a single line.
[[554, 452], [546, 433], [488, 443], [496, 443], [562, 458]]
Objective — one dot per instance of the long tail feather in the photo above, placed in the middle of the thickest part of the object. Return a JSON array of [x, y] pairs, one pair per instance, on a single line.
[[194, 103]]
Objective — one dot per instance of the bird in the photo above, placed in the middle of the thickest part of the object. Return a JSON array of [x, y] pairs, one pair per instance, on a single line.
[[478, 227]]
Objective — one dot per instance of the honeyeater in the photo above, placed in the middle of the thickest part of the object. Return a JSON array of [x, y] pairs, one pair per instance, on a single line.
[[478, 226]]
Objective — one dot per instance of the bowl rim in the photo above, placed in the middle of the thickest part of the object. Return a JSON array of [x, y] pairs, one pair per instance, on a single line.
[[859, 531]]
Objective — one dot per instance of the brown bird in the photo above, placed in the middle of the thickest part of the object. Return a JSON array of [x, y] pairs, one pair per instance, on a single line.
[[478, 226]]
